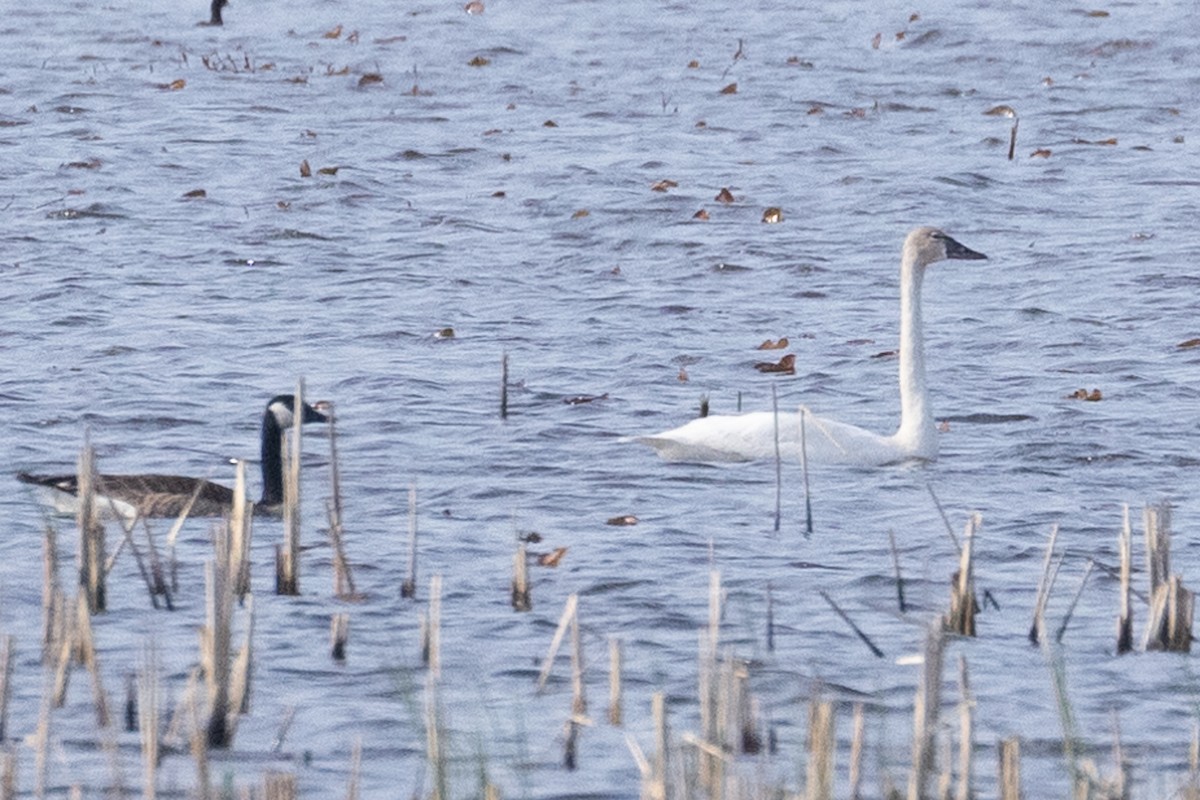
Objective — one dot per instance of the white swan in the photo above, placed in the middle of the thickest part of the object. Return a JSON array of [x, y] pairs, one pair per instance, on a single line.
[[746, 437]]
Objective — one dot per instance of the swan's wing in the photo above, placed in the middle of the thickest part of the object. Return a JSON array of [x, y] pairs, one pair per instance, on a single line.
[[744, 437]]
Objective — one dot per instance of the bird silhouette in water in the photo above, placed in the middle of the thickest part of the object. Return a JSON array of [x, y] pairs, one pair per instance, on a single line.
[[215, 19]]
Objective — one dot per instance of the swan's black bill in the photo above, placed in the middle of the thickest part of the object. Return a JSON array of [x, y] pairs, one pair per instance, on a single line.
[[961, 251]]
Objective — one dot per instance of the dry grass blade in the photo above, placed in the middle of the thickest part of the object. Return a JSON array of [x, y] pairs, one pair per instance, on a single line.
[[564, 622]]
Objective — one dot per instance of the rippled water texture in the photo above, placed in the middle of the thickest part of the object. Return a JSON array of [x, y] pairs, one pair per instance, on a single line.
[[498, 180]]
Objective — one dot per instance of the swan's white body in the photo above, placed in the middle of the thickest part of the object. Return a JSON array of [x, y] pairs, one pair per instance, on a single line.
[[747, 437]]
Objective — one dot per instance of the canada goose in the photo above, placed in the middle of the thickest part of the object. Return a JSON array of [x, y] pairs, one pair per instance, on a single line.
[[750, 436], [168, 495], [215, 19]]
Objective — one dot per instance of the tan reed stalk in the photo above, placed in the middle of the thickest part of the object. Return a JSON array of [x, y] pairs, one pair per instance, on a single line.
[[1062, 627], [659, 788], [504, 386], [240, 534], [925, 715], [87, 652], [144, 571], [173, 536], [148, 720], [1192, 790], [184, 713], [41, 737], [899, 577], [285, 727], [423, 636], [1010, 768], [8, 776], [822, 744], [966, 734], [521, 597], [615, 715], [339, 634], [963, 605], [343, 576], [1156, 521], [578, 693], [1125, 615], [158, 578], [435, 758], [750, 739], [279, 786], [846, 618], [564, 622], [1045, 584], [52, 618], [435, 627], [91, 533], [946, 776], [215, 647], [242, 675], [856, 751], [287, 580], [355, 778], [409, 586], [6, 663], [198, 742]]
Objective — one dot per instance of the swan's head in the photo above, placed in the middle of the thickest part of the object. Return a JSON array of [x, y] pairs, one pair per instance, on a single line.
[[924, 246], [282, 409]]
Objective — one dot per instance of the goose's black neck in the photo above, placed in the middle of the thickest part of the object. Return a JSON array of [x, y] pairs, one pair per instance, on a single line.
[[272, 460]]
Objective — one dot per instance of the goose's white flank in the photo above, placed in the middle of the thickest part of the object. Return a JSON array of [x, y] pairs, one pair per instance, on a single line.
[[167, 495], [746, 437]]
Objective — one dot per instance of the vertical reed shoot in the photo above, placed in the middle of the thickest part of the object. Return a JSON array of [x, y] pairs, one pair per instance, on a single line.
[[240, 534], [521, 597], [615, 658], [856, 751], [966, 735], [408, 588], [243, 668], [1010, 768], [925, 715], [148, 720], [339, 633], [215, 647], [287, 571], [963, 605], [343, 577], [355, 769], [564, 622], [659, 788], [52, 618], [504, 386], [822, 746], [6, 662], [1037, 629], [435, 628], [578, 694], [1125, 615], [91, 533]]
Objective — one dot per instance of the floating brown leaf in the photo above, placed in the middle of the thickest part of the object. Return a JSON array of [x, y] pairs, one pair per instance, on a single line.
[[682, 377], [701, 214], [913, 17], [444, 333], [499, 193], [730, 89], [305, 169], [283, 205], [724, 196], [900, 36], [1110, 142], [886, 354], [701, 124], [195, 193], [91, 163], [580, 214], [549, 124], [474, 7], [693, 64], [785, 365], [1083, 394], [173, 86], [812, 110], [773, 345], [1189, 344], [1097, 13], [391, 39], [335, 33], [875, 41], [352, 38], [664, 185], [580, 399], [552, 558], [529, 537], [478, 61], [626, 519], [772, 215], [328, 170], [1000, 111], [1041, 152], [944, 426], [369, 78]]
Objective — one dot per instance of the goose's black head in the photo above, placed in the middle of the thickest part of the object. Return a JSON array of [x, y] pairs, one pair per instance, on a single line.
[[282, 409]]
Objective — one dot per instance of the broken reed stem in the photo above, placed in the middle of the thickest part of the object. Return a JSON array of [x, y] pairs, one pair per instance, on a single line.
[[1125, 613], [778, 460], [51, 594], [899, 578], [1037, 628], [279, 786], [615, 716], [1062, 628], [127, 526], [925, 714], [578, 695], [6, 662], [1010, 768], [856, 751], [215, 646], [770, 618], [945, 519], [857, 630], [1012, 139], [435, 628], [173, 534], [148, 720], [343, 577], [966, 734], [8, 776], [436, 761], [87, 655], [521, 597], [339, 634], [240, 534], [287, 570], [408, 588], [659, 788], [355, 769], [822, 745], [243, 666], [91, 533], [963, 605], [808, 517], [564, 622], [504, 386]]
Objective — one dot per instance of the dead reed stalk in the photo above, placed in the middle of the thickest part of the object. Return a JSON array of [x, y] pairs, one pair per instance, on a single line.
[[899, 578], [435, 758], [8, 775], [215, 645], [1011, 769], [1066, 620], [91, 534], [822, 746], [615, 715], [925, 715], [856, 751], [279, 786], [1037, 630], [778, 459], [504, 386], [86, 649], [435, 628], [343, 576], [578, 694], [846, 619], [1125, 615], [243, 670], [355, 779], [966, 735], [52, 598], [963, 605], [659, 788], [6, 662], [564, 621], [339, 633], [1169, 625], [522, 599], [408, 588], [287, 570], [148, 721], [240, 534]]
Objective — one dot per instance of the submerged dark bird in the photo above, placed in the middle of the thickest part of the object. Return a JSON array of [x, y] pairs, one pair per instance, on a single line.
[[167, 495], [215, 19]]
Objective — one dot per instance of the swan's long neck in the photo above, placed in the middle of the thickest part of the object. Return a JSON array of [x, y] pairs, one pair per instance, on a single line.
[[916, 417], [272, 461]]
